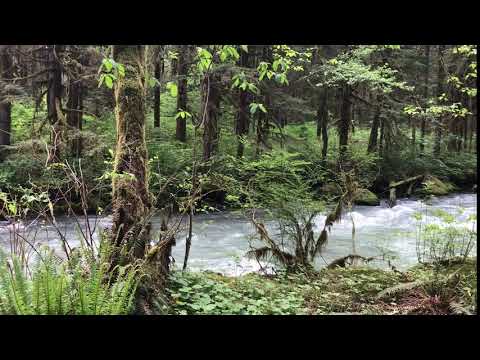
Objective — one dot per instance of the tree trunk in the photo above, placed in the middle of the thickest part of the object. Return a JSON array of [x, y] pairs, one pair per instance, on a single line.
[[211, 102], [345, 121], [131, 202], [183, 59], [242, 122], [156, 92], [54, 103], [263, 120], [5, 107], [74, 115], [322, 111], [427, 75], [472, 129], [372, 142], [382, 136], [440, 80]]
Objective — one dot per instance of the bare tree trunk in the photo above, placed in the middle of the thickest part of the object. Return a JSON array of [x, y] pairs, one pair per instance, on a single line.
[[131, 200], [427, 75], [324, 124], [263, 120], [75, 115], [345, 121], [5, 106], [372, 142], [439, 125], [54, 102], [242, 120], [211, 102], [183, 59], [156, 92]]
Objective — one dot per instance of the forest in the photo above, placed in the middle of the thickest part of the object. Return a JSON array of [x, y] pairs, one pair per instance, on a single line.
[[238, 179]]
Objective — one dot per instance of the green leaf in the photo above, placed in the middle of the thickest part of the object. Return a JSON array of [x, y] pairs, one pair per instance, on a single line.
[[107, 64], [108, 81], [275, 65], [262, 108], [172, 87]]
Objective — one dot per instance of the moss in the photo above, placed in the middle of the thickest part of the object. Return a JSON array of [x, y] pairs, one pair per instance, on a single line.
[[366, 197], [434, 186]]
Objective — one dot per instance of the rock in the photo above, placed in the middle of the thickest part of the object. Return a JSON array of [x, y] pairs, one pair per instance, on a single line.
[[366, 197], [434, 186]]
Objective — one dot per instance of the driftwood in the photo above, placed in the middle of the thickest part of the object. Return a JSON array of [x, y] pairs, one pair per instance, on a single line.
[[348, 260]]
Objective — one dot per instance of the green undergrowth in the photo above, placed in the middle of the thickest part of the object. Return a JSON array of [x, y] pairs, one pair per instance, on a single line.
[[359, 290]]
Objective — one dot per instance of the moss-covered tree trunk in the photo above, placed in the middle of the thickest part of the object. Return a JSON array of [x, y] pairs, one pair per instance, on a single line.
[[131, 200]]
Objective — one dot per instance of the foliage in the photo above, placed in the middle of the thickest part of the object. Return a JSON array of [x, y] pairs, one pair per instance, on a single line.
[[442, 238], [80, 286], [359, 290]]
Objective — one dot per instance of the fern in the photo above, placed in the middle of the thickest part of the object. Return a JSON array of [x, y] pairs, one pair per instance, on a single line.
[[82, 285], [458, 309]]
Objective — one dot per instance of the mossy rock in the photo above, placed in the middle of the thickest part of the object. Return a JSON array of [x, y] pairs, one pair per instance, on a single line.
[[366, 197], [434, 186]]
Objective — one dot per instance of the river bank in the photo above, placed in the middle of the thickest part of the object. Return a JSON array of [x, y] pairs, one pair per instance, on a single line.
[[421, 289]]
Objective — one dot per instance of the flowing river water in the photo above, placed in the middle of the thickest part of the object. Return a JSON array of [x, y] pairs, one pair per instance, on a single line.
[[220, 240]]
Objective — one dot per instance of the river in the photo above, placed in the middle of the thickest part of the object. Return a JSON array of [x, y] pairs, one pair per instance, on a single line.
[[220, 240]]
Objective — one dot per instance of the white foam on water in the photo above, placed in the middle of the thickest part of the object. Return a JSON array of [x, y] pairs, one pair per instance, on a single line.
[[220, 241]]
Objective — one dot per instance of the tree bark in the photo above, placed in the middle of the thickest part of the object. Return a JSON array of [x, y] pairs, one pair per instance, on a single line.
[[131, 200], [211, 103], [183, 59], [54, 103], [5, 106], [345, 120], [156, 92], [427, 75], [263, 120], [75, 115], [242, 122], [439, 124], [372, 142]]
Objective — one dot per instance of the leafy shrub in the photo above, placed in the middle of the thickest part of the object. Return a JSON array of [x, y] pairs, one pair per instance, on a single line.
[[444, 241]]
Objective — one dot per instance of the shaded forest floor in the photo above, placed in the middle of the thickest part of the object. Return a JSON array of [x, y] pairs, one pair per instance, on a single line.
[[360, 290]]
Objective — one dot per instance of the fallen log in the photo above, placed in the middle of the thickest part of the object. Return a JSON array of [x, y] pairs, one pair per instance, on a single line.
[[392, 200], [398, 183]]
